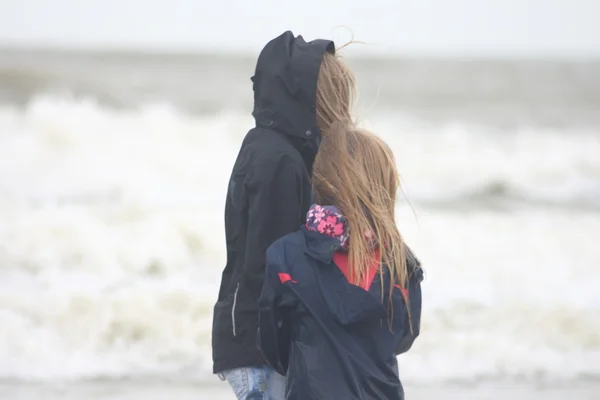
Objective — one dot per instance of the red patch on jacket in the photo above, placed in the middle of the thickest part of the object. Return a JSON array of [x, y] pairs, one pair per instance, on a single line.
[[341, 260], [285, 278]]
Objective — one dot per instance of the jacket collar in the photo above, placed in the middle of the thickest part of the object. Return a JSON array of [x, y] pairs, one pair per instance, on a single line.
[[320, 247]]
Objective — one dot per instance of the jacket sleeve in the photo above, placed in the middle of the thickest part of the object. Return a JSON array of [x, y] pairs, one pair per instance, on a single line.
[[275, 209], [412, 327], [273, 339]]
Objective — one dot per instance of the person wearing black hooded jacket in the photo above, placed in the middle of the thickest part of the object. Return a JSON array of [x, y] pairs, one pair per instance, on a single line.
[[300, 89]]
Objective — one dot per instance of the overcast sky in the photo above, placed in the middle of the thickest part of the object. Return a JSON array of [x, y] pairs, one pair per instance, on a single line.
[[455, 27]]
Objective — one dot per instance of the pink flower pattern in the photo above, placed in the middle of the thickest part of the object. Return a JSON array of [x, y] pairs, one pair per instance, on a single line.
[[329, 221]]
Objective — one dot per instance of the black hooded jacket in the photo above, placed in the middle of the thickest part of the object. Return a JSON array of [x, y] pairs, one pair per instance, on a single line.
[[269, 190]]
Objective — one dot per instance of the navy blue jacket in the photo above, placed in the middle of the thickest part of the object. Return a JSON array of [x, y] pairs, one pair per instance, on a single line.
[[332, 339]]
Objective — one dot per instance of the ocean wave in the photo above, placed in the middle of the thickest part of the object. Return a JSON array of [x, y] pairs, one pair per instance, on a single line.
[[502, 195], [450, 164], [111, 243]]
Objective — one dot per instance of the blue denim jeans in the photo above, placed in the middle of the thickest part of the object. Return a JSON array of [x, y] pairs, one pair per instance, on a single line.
[[256, 383]]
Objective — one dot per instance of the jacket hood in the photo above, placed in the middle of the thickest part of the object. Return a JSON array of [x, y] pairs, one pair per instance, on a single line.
[[349, 303], [285, 85]]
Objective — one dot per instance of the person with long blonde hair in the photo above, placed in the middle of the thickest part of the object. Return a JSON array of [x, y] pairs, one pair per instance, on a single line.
[[301, 89], [342, 296]]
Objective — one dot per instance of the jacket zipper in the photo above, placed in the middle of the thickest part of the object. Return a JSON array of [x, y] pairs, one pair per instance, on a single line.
[[233, 308]]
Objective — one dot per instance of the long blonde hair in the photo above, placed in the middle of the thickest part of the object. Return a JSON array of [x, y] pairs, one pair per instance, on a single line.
[[355, 171], [336, 92]]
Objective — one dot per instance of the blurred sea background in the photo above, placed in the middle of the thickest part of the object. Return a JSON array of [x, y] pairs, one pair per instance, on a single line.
[[113, 171]]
